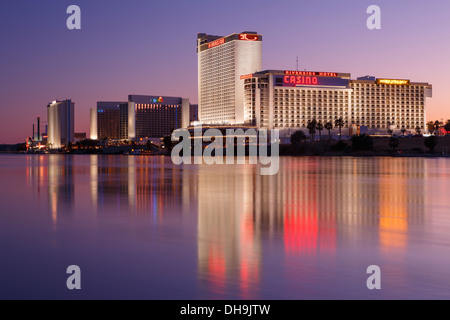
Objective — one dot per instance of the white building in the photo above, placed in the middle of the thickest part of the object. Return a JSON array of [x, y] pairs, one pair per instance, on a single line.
[[389, 104], [290, 99], [221, 63], [60, 118], [93, 124]]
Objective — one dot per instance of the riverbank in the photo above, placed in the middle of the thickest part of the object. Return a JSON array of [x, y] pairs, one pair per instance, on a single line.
[[407, 147]]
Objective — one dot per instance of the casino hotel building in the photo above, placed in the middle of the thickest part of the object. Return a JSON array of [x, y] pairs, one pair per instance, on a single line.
[[288, 99]]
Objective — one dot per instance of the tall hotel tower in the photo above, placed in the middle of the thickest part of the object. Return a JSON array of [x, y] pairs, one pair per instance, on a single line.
[[221, 63], [60, 117]]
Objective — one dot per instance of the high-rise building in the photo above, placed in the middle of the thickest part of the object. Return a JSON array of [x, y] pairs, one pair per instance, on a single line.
[[389, 103], [108, 120], [156, 116], [60, 118], [193, 113], [93, 127], [221, 63], [123, 118], [140, 117], [290, 99]]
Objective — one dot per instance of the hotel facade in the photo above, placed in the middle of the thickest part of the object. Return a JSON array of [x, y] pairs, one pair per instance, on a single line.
[[60, 118], [232, 90], [156, 116], [284, 99], [381, 103], [289, 99], [221, 62], [140, 117]]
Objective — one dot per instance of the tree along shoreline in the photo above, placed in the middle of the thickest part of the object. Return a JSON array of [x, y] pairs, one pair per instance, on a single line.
[[366, 146]]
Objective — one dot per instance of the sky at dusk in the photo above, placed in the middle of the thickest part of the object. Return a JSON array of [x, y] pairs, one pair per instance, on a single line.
[[149, 47]]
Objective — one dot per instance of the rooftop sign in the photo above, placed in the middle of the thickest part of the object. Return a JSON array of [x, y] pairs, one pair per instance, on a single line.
[[247, 76], [393, 81], [311, 73], [216, 43], [248, 37]]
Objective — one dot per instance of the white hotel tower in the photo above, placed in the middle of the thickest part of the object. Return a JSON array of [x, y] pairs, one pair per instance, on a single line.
[[60, 118], [221, 63]]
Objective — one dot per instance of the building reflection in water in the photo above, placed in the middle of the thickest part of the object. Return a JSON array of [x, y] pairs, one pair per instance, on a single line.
[[314, 204], [61, 188], [113, 182], [306, 201], [140, 186], [229, 243], [93, 171], [309, 209], [401, 200], [36, 172]]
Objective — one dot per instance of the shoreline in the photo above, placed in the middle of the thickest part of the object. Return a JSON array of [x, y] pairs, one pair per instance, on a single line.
[[329, 155], [408, 147]]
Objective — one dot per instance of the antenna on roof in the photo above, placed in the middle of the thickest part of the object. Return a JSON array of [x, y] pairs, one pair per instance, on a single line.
[[297, 63]]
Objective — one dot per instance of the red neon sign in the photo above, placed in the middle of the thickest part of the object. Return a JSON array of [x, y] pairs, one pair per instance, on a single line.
[[311, 73], [216, 43], [248, 37], [299, 80], [247, 76]]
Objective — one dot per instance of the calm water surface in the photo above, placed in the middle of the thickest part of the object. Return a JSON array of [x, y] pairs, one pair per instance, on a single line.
[[143, 228]]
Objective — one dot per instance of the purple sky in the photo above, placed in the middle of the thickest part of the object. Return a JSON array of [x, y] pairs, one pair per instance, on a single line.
[[148, 47]]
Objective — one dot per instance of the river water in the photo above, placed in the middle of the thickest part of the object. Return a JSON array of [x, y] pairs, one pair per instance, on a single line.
[[143, 228]]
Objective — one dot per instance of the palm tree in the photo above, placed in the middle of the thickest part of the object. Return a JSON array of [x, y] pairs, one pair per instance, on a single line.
[[339, 123], [312, 128], [319, 127], [437, 125], [403, 131], [329, 127], [418, 130]]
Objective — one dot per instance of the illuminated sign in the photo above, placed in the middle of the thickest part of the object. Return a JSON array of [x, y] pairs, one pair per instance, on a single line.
[[160, 99], [311, 73], [294, 81], [247, 76], [298, 80], [248, 37], [393, 81], [216, 43]]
